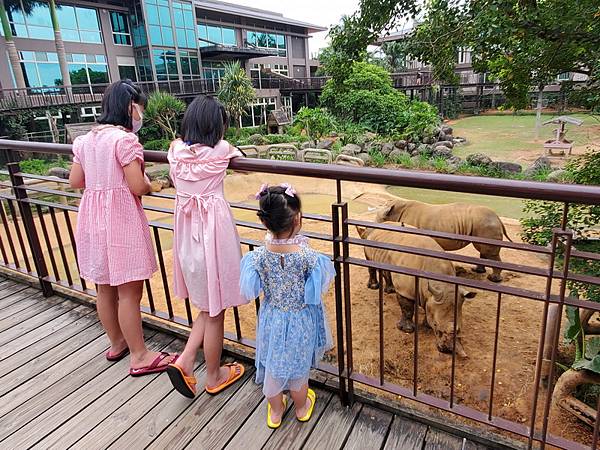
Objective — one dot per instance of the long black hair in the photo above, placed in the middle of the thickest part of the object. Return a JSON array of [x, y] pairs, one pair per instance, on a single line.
[[277, 209], [205, 122], [116, 103]]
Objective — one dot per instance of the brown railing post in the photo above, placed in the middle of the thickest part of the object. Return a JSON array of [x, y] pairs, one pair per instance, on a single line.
[[347, 300], [339, 313], [41, 269]]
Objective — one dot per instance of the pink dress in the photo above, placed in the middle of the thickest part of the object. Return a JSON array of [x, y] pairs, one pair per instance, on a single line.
[[206, 246], [113, 239]]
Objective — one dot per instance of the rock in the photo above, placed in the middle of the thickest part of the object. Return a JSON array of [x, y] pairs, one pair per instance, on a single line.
[[458, 141], [441, 151], [156, 186], [429, 140], [325, 144], [396, 154], [306, 145], [506, 166], [424, 149], [372, 147], [387, 148], [556, 176], [441, 136], [479, 159], [454, 163], [351, 149], [449, 137], [369, 137], [59, 172], [541, 164], [411, 147], [401, 144], [157, 171], [448, 144], [365, 157], [447, 129], [165, 182], [257, 139]]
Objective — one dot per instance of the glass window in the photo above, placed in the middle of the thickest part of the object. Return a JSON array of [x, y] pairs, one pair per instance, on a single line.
[[87, 19], [50, 74], [152, 14], [214, 34], [127, 73], [144, 66], [217, 35], [165, 63], [190, 67], [120, 28], [164, 15], [98, 73], [66, 18], [229, 36], [270, 41], [184, 25], [40, 15]]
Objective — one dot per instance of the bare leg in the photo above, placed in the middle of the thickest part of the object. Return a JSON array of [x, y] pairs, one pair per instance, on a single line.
[[277, 409], [301, 401], [107, 304], [187, 358], [130, 320], [213, 347]]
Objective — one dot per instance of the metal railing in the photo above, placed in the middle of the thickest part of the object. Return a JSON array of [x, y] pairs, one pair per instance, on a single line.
[[26, 246]]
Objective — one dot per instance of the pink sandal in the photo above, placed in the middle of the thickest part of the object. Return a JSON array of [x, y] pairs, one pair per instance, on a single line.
[[116, 356], [155, 366]]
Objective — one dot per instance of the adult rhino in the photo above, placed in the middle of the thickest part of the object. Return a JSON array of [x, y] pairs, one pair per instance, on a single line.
[[435, 297], [456, 218]]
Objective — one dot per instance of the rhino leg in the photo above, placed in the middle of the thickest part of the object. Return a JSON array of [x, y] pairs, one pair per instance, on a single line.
[[389, 286], [496, 275], [479, 269], [490, 252], [373, 282], [406, 323]]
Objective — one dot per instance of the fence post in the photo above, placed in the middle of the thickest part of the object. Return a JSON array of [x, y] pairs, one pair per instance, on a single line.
[[339, 312], [32, 236]]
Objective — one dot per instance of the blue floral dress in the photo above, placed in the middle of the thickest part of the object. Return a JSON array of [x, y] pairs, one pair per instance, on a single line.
[[292, 333]]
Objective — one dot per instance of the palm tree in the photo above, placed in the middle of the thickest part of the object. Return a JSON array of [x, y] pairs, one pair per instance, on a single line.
[[236, 91], [60, 48]]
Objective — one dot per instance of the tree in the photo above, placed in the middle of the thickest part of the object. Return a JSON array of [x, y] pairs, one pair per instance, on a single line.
[[316, 122], [164, 111], [7, 6], [521, 43], [236, 92], [60, 47], [394, 55]]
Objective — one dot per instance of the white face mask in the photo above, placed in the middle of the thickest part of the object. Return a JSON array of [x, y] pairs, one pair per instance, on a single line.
[[136, 125]]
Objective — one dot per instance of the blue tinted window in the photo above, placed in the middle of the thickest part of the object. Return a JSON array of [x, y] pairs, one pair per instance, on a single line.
[[31, 74], [66, 17], [40, 15], [164, 15], [214, 34], [251, 38], [50, 74], [167, 34], [155, 35], [78, 57], [98, 73], [229, 36], [36, 32], [87, 19], [152, 14]]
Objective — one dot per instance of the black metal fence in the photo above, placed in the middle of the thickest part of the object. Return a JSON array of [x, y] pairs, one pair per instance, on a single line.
[[37, 239]]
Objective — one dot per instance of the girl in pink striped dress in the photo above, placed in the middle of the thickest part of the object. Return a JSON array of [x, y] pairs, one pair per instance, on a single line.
[[114, 247], [206, 246]]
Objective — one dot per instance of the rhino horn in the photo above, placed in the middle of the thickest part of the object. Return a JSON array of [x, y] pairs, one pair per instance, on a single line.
[[459, 349]]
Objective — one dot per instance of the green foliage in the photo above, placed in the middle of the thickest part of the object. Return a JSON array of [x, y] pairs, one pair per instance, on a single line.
[[349, 132], [165, 112], [236, 91], [158, 144], [316, 122], [377, 158], [420, 119], [404, 160], [150, 132], [41, 166]]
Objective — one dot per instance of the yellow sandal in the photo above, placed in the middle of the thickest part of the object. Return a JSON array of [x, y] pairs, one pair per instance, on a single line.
[[313, 399], [270, 423]]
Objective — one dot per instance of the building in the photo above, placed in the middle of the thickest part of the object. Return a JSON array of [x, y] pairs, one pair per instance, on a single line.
[[161, 41]]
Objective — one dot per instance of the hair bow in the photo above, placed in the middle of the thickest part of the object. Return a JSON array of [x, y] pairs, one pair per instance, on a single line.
[[289, 190], [262, 189]]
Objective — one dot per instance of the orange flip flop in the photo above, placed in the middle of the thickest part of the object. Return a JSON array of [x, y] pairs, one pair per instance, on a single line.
[[185, 385], [236, 371]]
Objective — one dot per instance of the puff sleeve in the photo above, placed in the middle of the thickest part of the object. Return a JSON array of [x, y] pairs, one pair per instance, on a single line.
[[77, 147], [129, 149], [250, 284], [319, 280]]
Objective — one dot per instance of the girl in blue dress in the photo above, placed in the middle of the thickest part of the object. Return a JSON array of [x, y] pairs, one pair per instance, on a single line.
[[292, 331]]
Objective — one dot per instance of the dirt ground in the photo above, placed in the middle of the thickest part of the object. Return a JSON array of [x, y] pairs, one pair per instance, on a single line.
[[520, 319]]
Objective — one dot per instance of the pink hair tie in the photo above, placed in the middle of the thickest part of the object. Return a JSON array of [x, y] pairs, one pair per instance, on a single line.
[[289, 190], [262, 189]]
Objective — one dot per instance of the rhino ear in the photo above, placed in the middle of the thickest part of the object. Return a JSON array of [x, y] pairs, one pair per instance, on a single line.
[[362, 231], [387, 209], [468, 294]]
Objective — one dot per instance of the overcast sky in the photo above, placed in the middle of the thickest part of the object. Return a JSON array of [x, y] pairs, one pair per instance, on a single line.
[[317, 12]]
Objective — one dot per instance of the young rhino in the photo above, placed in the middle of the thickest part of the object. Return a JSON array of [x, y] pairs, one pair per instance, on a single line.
[[435, 297]]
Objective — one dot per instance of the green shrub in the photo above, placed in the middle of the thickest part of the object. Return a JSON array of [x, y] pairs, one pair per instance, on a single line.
[[316, 122], [41, 166], [440, 165], [349, 132], [404, 160], [378, 159], [158, 144], [165, 112]]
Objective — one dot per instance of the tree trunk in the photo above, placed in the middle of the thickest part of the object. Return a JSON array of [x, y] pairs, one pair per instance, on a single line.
[[538, 112], [61, 52], [13, 55], [562, 396]]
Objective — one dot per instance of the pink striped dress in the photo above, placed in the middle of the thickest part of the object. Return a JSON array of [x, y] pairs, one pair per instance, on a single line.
[[113, 238], [206, 245]]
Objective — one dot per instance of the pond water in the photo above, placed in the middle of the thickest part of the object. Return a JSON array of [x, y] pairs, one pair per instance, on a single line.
[[503, 206]]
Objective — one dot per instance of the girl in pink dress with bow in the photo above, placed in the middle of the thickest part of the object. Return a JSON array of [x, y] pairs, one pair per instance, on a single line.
[[114, 247], [206, 246]]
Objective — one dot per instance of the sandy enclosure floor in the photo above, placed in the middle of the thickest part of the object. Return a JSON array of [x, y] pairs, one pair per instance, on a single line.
[[519, 326]]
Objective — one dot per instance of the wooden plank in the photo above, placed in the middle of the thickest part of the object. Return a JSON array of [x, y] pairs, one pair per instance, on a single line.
[[37, 385], [20, 342], [334, 425], [88, 418], [38, 417], [229, 419], [439, 440], [35, 322], [9, 288], [52, 350], [186, 426], [292, 434], [22, 310], [470, 445], [16, 295], [369, 430], [151, 425], [405, 435]]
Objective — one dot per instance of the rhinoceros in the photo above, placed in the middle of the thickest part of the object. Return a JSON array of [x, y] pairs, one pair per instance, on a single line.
[[456, 218], [435, 297]]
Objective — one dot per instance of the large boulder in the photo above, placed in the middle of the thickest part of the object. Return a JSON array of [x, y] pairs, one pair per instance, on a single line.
[[424, 149], [411, 147], [325, 144], [401, 144], [557, 176], [441, 151], [508, 167], [387, 148], [351, 149], [447, 129], [479, 159], [429, 140], [543, 163], [257, 139], [448, 144], [59, 172], [372, 147], [365, 157], [156, 171]]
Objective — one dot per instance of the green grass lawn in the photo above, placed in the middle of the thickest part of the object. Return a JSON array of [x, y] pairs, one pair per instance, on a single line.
[[512, 138]]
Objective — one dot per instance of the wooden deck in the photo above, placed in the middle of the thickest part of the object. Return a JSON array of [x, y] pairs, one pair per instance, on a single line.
[[58, 391]]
